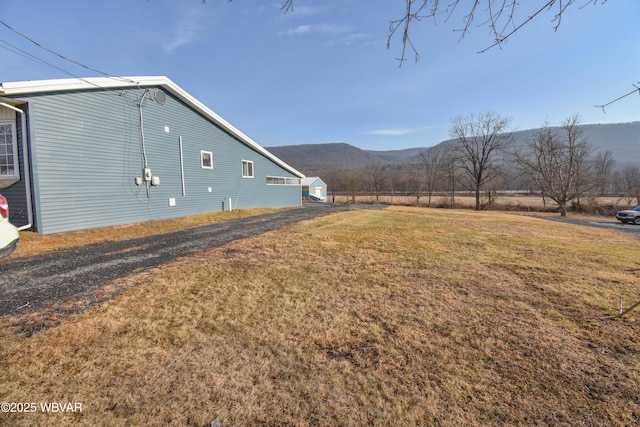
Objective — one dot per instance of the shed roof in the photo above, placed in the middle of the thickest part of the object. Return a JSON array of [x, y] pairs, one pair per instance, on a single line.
[[65, 85], [307, 181]]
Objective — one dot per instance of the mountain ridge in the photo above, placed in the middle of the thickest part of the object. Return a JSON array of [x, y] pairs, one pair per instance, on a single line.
[[622, 139]]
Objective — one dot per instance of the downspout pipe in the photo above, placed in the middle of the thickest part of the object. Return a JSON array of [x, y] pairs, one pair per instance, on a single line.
[[25, 164]]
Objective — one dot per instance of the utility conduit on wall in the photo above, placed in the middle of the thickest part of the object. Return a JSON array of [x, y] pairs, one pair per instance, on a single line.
[[144, 149]]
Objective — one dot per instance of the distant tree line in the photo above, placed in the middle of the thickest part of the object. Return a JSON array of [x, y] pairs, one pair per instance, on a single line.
[[558, 163]]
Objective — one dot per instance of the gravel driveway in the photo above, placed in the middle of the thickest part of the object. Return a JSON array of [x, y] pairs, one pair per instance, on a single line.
[[74, 277], [75, 274]]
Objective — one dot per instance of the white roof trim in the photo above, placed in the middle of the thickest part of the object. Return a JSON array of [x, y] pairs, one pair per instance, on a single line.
[[62, 85], [310, 180]]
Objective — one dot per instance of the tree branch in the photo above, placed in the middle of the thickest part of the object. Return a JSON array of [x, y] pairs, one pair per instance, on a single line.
[[637, 89], [501, 39], [622, 313], [496, 11], [405, 24]]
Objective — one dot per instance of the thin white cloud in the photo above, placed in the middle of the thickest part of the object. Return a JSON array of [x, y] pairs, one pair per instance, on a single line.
[[300, 29], [349, 39], [392, 132], [302, 11], [185, 31], [320, 29], [355, 37]]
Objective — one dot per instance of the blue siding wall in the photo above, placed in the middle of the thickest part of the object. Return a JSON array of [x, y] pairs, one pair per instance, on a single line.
[[87, 151], [17, 194]]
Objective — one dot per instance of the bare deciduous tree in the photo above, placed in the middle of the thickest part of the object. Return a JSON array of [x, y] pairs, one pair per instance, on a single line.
[[333, 177], [416, 180], [351, 182], [450, 171], [377, 176], [559, 162], [603, 166], [629, 183], [480, 140], [432, 161]]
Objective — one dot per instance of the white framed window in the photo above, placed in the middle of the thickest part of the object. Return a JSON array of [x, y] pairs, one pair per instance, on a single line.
[[8, 150], [247, 169], [206, 159], [282, 180]]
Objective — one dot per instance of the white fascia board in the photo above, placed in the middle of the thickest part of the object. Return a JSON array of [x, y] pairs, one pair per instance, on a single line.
[[206, 111], [61, 85]]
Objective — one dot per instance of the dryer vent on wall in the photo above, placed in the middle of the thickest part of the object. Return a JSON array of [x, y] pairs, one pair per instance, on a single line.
[[160, 96]]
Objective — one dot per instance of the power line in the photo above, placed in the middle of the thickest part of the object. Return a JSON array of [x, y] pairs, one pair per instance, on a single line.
[[56, 54], [11, 48]]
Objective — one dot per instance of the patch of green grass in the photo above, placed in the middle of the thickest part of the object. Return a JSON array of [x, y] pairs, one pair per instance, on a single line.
[[393, 317]]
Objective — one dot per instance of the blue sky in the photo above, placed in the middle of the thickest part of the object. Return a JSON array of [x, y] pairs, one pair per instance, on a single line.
[[322, 73]]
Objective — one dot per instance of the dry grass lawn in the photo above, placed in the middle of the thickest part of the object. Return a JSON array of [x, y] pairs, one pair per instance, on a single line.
[[393, 317]]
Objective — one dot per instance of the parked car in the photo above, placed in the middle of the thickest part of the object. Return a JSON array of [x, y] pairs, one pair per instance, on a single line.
[[630, 215], [8, 232]]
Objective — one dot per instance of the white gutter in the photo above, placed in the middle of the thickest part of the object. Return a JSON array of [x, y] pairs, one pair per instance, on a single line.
[[194, 103], [25, 164], [58, 85]]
